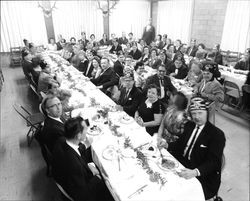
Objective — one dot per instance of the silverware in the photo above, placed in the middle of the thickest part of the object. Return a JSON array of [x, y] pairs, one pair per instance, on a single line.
[[138, 191], [142, 145]]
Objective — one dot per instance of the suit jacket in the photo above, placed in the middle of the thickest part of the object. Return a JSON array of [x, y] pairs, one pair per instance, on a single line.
[[131, 102], [213, 90], [206, 155], [182, 71], [115, 50], [168, 86], [118, 68], [123, 41], [136, 55], [29, 72], [59, 46], [83, 66], [192, 51], [83, 43], [52, 131], [107, 79], [102, 42], [148, 35], [71, 171]]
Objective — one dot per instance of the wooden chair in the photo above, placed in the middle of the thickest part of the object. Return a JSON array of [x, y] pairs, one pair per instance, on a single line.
[[232, 94], [15, 56], [33, 121]]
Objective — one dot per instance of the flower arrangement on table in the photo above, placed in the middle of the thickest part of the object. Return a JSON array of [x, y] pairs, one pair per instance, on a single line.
[[143, 160]]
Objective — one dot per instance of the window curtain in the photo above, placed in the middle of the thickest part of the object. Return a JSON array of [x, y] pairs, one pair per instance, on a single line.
[[72, 17], [174, 18], [129, 16], [19, 20], [236, 31]]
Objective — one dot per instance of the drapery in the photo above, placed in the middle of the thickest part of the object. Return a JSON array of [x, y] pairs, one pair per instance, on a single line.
[[19, 20], [236, 31], [72, 17], [174, 18], [129, 16]]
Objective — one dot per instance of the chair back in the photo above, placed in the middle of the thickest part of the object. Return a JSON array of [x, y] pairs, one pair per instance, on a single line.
[[24, 113], [246, 88], [63, 192], [231, 89], [16, 56]]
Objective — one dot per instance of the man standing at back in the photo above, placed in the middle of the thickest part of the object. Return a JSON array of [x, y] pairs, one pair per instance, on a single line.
[[149, 33]]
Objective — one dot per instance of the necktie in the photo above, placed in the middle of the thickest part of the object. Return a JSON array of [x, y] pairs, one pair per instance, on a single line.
[[127, 94], [89, 64], [190, 147], [81, 148]]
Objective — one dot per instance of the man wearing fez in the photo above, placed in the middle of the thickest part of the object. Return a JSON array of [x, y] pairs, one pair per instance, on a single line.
[[149, 32], [200, 149]]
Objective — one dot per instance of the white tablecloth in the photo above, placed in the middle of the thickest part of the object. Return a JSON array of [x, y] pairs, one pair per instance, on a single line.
[[233, 75], [127, 179]]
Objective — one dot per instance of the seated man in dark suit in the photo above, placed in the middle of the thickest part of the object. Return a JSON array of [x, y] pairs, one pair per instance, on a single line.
[[71, 168], [53, 126], [123, 40], [163, 82], [108, 78], [28, 68], [115, 47], [135, 52], [86, 65], [130, 96], [200, 149], [192, 49], [119, 64]]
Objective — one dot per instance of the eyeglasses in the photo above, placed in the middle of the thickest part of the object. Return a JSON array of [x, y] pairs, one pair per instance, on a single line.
[[57, 105], [162, 71]]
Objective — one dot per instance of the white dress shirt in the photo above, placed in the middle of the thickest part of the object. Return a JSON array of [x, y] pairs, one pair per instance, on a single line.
[[191, 138]]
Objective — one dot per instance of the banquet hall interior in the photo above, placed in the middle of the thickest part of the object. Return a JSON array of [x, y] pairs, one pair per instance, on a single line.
[[72, 45]]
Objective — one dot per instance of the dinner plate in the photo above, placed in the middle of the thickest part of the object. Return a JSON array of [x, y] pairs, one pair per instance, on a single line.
[[109, 153], [94, 130], [126, 119], [149, 150], [169, 163]]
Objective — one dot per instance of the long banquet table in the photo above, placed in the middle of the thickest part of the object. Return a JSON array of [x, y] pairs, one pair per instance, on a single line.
[[236, 76], [126, 154]]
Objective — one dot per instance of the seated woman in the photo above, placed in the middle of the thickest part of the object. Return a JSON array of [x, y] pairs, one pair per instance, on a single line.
[[209, 88], [72, 40], [52, 45], [135, 52], [174, 119], [195, 73], [145, 55], [140, 80], [159, 43], [150, 112], [45, 78], [153, 58], [178, 69], [97, 68]]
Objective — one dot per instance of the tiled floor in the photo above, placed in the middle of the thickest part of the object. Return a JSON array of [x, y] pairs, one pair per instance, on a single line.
[[22, 169]]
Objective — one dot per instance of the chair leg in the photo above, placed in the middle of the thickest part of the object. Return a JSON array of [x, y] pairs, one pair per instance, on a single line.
[[30, 135]]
